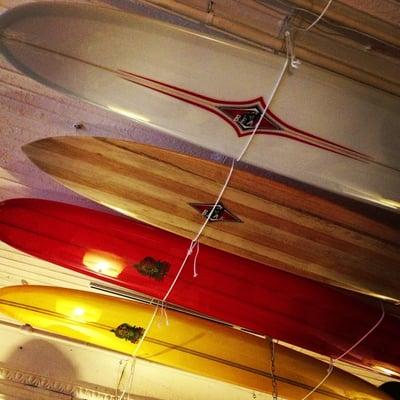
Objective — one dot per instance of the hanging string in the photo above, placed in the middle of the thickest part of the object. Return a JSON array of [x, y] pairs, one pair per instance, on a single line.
[[333, 361], [319, 17], [294, 62], [329, 371], [194, 243], [131, 375], [366, 335], [195, 260], [164, 312], [271, 96], [128, 385], [120, 377], [188, 253], [121, 396]]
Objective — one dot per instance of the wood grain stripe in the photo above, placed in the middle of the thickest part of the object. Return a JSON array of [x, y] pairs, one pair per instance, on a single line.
[[156, 186]]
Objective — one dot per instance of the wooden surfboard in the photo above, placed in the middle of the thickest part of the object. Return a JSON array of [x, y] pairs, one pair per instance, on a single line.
[[321, 128], [187, 343], [257, 219], [228, 288]]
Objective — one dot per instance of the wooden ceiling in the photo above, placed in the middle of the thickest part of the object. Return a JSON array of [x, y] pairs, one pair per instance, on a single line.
[[359, 39]]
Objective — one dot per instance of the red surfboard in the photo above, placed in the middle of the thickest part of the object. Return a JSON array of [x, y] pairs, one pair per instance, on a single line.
[[229, 288]]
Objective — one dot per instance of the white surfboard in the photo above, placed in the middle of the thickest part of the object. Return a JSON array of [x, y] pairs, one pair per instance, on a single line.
[[321, 128]]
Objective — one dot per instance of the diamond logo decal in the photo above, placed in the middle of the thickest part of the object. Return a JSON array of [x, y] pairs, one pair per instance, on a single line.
[[220, 212], [246, 118]]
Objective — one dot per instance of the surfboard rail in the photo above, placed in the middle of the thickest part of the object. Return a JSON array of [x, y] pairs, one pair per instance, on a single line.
[[161, 187], [145, 259], [155, 73], [186, 343]]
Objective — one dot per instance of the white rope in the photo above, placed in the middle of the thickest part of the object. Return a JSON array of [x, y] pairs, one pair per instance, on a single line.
[[366, 335], [294, 62], [131, 375], [128, 385], [195, 274], [120, 377], [164, 313], [333, 361], [194, 243], [330, 369], [188, 253], [319, 17], [271, 96]]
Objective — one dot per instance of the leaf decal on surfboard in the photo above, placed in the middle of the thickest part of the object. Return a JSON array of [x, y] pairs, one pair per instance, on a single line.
[[153, 268], [130, 333]]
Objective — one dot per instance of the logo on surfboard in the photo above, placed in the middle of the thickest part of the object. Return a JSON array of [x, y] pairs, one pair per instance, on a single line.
[[247, 118], [219, 214], [243, 116], [130, 333], [153, 268]]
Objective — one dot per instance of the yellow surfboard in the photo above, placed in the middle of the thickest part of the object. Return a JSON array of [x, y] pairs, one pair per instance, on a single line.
[[186, 343]]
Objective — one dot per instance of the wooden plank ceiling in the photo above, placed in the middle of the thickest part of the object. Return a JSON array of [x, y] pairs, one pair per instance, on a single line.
[[359, 39]]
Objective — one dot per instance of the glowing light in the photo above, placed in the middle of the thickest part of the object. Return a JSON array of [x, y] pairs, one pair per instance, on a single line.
[[386, 298], [103, 263], [103, 266], [386, 371], [128, 114], [78, 312], [121, 210], [373, 198]]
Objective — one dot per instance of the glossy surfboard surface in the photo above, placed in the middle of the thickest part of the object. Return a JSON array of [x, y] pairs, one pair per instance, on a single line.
[[257, 219], [187, 343], [229, 288], [321, 128]]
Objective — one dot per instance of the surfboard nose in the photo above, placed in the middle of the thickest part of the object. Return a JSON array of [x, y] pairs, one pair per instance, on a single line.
[[6, 206], [9, 206], [7, 19], [9, 210], [16, 215], [14, 26]]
